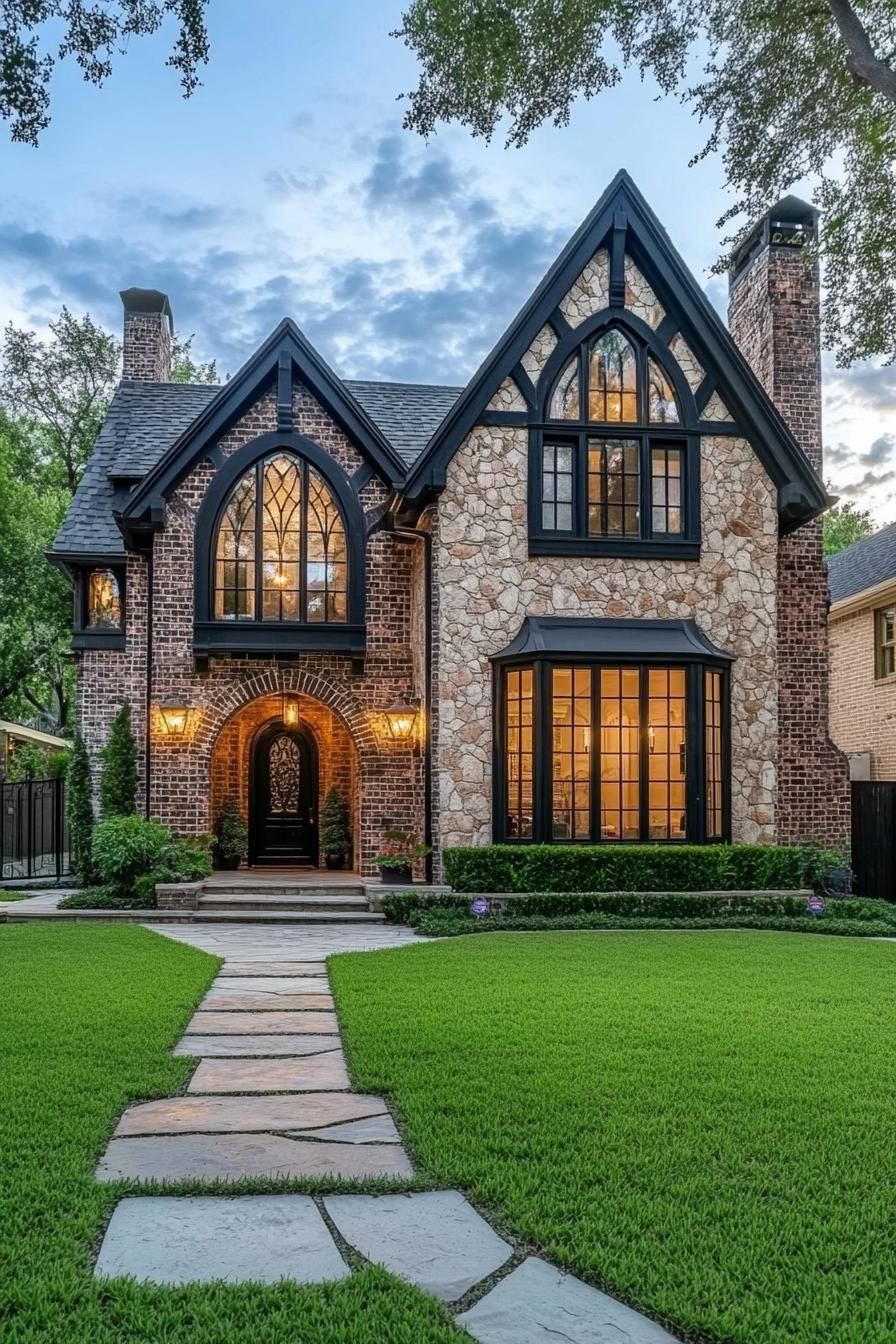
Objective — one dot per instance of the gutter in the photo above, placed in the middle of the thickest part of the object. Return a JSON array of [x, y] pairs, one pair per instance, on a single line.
[[874, 596]]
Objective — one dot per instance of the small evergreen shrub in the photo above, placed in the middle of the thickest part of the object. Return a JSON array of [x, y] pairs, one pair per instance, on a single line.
[[532, 868], [334, 837], [118, 781], [105, 898], [124, 848], [444, 923], [79, 811], [231, 836]]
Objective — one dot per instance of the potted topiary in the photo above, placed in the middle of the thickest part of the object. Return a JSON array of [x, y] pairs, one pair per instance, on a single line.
[[334, 840], [231, 836], [397, 856]]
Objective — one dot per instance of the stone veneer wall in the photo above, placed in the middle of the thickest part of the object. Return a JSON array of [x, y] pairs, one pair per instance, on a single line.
[[487, 583], [390, 778], [863, 708], [774, 317]]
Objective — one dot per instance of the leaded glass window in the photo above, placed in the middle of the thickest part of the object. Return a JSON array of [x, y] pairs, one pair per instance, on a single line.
[[662, 406], [280, 549], [713, 745], [103, 600], [565, 400], [284, 761], [518, 749], [666, 470], [557, 487], [614, 488]]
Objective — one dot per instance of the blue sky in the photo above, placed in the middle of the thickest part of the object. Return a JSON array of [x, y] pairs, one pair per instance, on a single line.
[[286, 185]]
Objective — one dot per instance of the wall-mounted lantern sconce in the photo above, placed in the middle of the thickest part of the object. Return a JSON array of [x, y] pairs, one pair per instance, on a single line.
[[401, 718], [174, 712], [289, 710]]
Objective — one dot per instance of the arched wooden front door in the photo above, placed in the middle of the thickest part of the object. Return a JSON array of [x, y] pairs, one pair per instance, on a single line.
[[283, 797]]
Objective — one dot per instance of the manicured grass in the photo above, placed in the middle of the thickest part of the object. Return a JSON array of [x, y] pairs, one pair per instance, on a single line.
[[88, 1017], [702, 1123]]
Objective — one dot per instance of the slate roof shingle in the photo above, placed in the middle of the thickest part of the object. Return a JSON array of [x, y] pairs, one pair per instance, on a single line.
[[145, 419], [863, 565]]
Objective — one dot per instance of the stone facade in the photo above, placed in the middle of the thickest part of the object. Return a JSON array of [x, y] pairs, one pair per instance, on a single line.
[[488, 583], [863, 707], [774, 317]]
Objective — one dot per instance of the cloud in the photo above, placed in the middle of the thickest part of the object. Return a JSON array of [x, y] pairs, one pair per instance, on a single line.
[[871, 481], [882, 450], [398, 180]]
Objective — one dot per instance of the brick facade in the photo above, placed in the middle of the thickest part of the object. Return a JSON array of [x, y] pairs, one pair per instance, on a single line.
[[146, 347], [863, 708], [343, 699], [774, 316]]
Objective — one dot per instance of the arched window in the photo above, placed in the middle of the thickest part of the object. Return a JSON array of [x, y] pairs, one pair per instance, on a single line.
[[280, 548], [617, 473]]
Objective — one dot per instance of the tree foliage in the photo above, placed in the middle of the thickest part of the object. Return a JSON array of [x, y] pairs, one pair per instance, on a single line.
[[59, 389], [844, 525], [787, 92], [185, 369], [35, 35], [118, 781]]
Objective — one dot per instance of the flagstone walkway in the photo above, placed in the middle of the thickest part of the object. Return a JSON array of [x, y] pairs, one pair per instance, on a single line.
[[270, 1097]]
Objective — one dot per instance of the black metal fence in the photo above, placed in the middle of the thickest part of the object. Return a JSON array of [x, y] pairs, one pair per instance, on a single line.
[[33, 829], [874, 839]]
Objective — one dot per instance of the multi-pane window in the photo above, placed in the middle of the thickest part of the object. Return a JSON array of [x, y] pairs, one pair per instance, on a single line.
[[713, 765], [885, 642], [280, 550], [518, 752], [614, 502], [103, 600], [601, 753], [623, 484]]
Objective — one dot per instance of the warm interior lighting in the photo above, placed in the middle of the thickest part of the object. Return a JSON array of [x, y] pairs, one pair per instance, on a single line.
[[174, 712], [401, 716], [289, 711], [278, 578]]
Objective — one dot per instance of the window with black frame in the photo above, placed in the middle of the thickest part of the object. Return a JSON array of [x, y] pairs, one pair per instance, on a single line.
[[612, 753], [614, 469]]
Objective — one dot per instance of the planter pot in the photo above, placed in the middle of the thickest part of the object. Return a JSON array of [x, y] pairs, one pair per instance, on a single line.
[[227, 863], [334, 862], [399, 876]]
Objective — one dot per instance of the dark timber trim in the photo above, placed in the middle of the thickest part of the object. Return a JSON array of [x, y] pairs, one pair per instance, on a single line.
[[801, 492]]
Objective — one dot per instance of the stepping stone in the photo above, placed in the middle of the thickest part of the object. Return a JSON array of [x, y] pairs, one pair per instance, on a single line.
[[272, 984], [245, 1239], [536, 1304], [273, 968], [234, 1115], [219, 1023], [259, 1046], [217, 1000], [271, 1075], [185, 1157], [437, 1241], [375, 1129]]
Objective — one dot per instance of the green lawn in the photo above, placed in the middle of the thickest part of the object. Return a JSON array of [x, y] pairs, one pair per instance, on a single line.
[[88, 1016], [702, 1123]]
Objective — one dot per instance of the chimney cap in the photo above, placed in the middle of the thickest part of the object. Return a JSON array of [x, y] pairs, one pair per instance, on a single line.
[[147, 301], [791, 223]]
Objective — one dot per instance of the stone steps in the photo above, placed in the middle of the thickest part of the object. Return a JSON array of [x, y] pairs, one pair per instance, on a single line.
[[296, 900], [225, 915]]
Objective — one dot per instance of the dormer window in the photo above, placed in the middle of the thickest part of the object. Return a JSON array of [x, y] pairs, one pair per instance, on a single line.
[[612, 468]]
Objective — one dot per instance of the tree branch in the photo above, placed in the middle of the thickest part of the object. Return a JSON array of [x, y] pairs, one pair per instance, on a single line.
[[863, 64]]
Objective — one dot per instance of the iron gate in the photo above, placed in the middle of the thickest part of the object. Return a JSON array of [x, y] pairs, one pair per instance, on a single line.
[[874, 838], [33, 828]]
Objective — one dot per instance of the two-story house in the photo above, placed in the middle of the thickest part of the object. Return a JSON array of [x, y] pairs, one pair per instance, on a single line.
[[581, 599]]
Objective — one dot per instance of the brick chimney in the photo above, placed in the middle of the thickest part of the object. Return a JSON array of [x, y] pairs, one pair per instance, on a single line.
[[774, 315], [148, 328]]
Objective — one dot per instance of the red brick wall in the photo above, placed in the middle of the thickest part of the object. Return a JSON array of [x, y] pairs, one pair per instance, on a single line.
[[774, 317], [382, 779]]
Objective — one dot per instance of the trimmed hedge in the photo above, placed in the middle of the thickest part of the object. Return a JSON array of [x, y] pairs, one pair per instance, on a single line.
[[525, 868], [406, 907], [451, 923]]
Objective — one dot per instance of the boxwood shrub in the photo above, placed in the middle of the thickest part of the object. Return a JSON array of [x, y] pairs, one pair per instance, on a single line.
[[444, 923], [525, 868]]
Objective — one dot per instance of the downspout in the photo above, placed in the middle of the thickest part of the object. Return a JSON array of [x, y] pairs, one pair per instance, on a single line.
[[147, 749], [426, 538]]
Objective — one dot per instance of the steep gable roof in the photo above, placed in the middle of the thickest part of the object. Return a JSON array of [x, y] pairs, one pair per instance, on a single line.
[[866, 564], [623, 221], [283, 355]]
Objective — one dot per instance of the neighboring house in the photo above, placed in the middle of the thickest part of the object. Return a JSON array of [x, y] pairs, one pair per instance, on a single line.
[[16, 737], [862, 634], [582, 598]]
